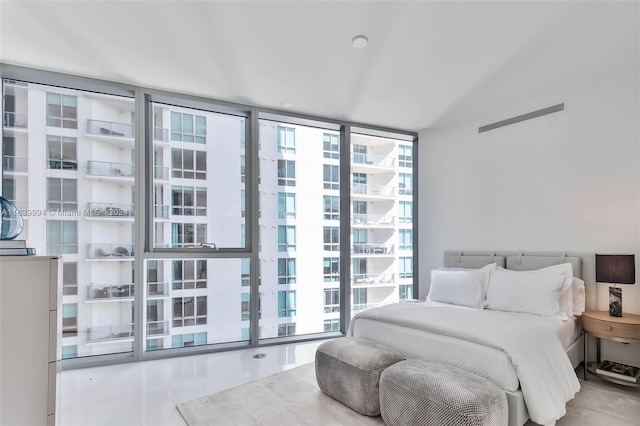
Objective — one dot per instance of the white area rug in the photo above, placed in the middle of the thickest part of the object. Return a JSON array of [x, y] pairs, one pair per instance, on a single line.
[[293, 398], [288, 398]]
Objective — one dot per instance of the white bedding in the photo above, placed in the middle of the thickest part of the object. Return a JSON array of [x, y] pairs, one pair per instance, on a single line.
[[504, 347]]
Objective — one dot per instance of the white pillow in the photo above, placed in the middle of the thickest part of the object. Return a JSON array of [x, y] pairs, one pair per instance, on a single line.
[[578, 296], [465, 288], [533, 293], [566, 292]]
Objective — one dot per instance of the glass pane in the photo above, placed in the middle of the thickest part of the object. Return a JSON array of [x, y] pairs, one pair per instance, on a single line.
[[200, 189], [189, 310], [382, 222], [295, 208], [93, 229]]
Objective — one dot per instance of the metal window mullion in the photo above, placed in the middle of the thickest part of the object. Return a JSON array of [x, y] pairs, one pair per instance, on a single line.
[[345, 227], [143, 123], [252, 228], [414, 219]]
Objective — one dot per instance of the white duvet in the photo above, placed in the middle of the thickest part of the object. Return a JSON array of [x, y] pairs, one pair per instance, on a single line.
[[547, 379]]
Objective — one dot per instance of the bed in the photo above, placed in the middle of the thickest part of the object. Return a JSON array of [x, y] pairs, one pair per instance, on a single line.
[[500, 346]]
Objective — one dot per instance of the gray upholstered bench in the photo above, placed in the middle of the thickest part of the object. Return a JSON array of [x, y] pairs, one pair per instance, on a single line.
[[348, 369], [421, 393]]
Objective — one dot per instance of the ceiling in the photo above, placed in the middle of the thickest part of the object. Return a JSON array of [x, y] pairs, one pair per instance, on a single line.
[[428, 63]]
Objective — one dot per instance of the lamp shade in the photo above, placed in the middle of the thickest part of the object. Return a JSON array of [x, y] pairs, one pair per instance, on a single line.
[[615, 268]]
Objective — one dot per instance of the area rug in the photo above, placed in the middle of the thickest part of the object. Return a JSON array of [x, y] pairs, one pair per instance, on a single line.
[[293, 398]]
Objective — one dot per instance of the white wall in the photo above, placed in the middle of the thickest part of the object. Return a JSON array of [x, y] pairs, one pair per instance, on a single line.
[[568, 181]]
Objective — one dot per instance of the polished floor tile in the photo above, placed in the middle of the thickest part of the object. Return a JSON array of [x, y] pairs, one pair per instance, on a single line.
[[146, 393]]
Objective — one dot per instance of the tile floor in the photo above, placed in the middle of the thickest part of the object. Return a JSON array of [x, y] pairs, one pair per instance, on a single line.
[[146, 393]]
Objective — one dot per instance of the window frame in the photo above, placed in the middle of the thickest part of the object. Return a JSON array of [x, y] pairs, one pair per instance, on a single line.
[[287, 311], [62, 162], [288, 144], [63, 205], [287, 270], [288, 177]]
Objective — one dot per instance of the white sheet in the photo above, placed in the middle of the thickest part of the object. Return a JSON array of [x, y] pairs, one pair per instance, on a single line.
[[532, 344]]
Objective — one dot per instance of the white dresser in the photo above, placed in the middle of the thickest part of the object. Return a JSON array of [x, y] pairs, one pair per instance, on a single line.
[[30, 339]]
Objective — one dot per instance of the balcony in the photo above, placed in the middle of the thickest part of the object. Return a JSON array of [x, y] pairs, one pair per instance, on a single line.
[[161, 173], [373, 280], [371, 161], [362, 306], [100, 292], [109, 211], [160, 134], [15, 120], [157, 290], [109, 129], [13, 164], [376, 191], [110, 251], [372, 249], [119, 172], [110, 333], [161, 212], [373, 220], [157, 328]]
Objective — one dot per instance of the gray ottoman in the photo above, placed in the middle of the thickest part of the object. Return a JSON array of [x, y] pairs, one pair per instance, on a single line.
[[417, 392], [348, 369]]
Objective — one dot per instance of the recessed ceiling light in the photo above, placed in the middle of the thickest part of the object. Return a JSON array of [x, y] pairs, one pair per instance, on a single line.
[[359, 41]]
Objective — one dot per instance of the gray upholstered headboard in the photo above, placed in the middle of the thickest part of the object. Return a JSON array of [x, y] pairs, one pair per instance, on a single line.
[[517, 261]]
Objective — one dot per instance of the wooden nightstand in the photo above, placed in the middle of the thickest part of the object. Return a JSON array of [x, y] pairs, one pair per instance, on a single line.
[[601, 325]]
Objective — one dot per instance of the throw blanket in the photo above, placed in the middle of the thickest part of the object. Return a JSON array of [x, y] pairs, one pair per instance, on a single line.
[[547, 379]]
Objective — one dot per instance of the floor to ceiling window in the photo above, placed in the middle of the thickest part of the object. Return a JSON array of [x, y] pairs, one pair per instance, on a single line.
[[381, 219], [299, 227], [199, 204], [186, 224], [68, 166]]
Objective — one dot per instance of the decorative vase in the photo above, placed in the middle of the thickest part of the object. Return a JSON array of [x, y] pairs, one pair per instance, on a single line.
[[11, 223]]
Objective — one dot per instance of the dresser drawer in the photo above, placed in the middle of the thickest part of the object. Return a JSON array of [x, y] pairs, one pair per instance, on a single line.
[[611, 330]]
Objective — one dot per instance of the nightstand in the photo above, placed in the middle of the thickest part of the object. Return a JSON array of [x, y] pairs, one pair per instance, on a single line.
[[601, 325]]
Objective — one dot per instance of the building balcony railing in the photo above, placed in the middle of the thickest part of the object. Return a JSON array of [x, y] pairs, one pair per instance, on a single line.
[[109, 128], [373, 219], [110, 292], [15, 120], [160, 134], [157, 289], [363, 306], [373, 160], [110, 210], [373, 278], [107, 168], [377, 190], [155, 328], [69, 289], [161, 173], [109, 332], [161, 212], [109, 251], [11, 163], [360, 248]]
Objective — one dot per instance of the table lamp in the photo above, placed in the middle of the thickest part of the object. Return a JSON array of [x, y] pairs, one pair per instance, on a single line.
[[615, 269]]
